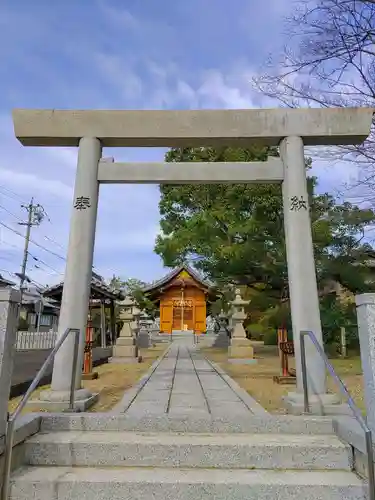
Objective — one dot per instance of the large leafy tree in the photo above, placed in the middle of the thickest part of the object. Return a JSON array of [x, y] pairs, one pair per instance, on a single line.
[[234, 232]]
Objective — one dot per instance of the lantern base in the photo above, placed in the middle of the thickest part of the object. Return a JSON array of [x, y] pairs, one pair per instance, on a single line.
[[284, 379], [125, 361], [236, 351]]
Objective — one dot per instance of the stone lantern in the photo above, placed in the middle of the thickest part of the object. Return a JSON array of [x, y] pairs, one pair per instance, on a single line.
[[125, 350], [240, 346]]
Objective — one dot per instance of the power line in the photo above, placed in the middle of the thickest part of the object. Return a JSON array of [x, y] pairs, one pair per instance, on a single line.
[[13, 195], [55, 242], [11, 213], [44, 236], [33, 257], [8, 272], [42, 247], [19, 218], [11, 245], [33, 242], [44, 263]]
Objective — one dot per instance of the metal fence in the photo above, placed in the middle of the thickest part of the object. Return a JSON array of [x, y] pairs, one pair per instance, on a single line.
[[27, 341]]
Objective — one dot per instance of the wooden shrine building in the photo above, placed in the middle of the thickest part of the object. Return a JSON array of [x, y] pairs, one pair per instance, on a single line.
[[182, 296], [102, 297]]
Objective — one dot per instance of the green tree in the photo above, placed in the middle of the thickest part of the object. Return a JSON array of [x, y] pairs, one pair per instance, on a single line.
[[234, 232], [133, 287]]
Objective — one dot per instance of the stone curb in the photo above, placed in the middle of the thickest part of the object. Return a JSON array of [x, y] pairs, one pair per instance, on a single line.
[[26, 426], [350, 431], [131, 394], [248, 401]]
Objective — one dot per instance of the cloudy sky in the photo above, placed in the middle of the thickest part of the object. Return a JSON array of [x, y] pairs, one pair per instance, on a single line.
[[117, 54]]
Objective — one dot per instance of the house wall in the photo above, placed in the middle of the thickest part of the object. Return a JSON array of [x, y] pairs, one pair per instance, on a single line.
[[49, 319]]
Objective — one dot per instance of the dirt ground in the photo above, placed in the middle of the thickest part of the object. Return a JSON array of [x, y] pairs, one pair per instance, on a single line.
[[257, 379], [114, 380]]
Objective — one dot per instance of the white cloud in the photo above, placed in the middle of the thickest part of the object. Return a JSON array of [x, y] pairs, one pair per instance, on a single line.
[[26, 183], [217, 92]]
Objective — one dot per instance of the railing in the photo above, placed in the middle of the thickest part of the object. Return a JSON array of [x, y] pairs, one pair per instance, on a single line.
[[356, 412], [9, 434], [27, 341]]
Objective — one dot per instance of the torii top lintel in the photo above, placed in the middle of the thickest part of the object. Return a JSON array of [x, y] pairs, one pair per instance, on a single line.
[[192, 128]]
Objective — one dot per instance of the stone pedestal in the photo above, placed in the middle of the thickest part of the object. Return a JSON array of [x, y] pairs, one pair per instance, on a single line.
[[9, 307], [240, 346], [322, 404], [366, 330], [125, 350]]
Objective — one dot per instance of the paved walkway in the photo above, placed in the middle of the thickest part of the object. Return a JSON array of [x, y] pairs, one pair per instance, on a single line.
[[184, 383]]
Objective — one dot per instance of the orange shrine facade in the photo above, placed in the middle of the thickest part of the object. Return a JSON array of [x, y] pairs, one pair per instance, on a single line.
[[182, 296]]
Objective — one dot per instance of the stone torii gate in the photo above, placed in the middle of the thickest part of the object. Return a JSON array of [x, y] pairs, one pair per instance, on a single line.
[[290, 129]]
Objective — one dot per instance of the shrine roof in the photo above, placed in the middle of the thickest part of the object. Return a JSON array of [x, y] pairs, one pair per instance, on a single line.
[[173, 274], [5, 282], [99, 290]]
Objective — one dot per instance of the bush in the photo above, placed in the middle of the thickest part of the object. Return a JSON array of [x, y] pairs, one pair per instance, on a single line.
[[270, 337], [255, 331]]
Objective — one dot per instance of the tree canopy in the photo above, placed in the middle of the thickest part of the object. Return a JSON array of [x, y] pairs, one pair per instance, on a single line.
[[133, 287], [234, 232]]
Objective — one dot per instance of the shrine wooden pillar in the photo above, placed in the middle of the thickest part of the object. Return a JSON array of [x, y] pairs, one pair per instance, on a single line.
[[286, 349], [87, 373]]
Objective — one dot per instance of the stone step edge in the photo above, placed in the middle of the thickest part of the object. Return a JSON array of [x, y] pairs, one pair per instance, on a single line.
[[134, 475], [120, 438], [255, 424], [199, 451]]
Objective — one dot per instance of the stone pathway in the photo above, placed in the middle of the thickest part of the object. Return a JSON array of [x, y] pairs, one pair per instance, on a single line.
[[186, 384]]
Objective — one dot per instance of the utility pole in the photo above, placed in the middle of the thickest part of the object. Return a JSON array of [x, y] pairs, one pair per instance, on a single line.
[[36, 214]]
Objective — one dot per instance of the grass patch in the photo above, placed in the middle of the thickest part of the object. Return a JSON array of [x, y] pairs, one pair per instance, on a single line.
[[257, 379], [114, 379]]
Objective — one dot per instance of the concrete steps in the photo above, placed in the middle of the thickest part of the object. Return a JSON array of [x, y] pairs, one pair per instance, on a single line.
[[224, 451], [102, 456], [66, 483]]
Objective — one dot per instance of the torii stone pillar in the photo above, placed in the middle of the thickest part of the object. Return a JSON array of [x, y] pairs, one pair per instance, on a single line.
[[366, 329], [303, 290], [76, 292]]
